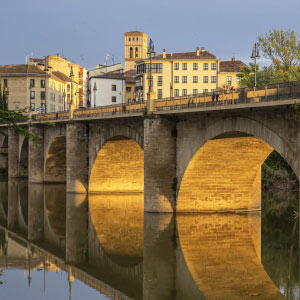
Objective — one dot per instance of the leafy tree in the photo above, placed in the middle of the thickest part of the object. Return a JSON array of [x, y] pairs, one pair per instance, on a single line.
[[283, 49]]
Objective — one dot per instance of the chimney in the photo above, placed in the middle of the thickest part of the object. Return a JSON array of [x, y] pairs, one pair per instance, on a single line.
[[202, 49], [233, 58], [197, 51], [164, 53], [58, 55]]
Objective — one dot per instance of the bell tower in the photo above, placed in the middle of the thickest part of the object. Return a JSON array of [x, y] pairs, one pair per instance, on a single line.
[[135, 48]]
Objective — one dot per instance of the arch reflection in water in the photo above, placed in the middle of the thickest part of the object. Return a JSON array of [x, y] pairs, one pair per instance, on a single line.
[[222, 254]]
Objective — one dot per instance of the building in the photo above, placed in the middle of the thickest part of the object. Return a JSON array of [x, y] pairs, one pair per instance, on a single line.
[[107, 89], [228, 73], [135, 48], [130, 85], [76, 91], [178, 74], [30, 86]]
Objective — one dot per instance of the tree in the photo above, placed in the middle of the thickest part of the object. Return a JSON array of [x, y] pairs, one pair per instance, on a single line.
[[283, 49]]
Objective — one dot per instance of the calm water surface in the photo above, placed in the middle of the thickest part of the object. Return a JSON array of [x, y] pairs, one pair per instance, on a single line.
[[110, 249]]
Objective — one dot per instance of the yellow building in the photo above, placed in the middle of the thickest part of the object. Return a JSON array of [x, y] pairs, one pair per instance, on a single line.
[[79, 79], [178, 74], [135, 48], [29, 86], [130, 86], [229, 70]]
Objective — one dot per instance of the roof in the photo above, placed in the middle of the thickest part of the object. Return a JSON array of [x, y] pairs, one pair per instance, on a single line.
[[232, 66], [21, 70], [186, 55], [134, 31], [110, 75], [130, 76], [60, 76]]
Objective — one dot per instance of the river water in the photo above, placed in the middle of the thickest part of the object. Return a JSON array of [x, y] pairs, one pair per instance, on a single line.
[[110, 249]]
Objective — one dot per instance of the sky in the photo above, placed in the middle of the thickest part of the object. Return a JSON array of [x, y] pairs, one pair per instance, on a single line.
[[86, 30]]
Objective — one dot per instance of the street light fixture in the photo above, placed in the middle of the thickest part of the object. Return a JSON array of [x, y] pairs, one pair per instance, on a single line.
[[255, 55], [71, 77], [150, 52], [94, 90]]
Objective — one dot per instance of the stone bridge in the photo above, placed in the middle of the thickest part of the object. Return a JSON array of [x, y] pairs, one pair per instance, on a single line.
[[188, 160]]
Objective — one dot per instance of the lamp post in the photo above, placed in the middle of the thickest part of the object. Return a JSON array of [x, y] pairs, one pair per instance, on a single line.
[[94, 90], [255, 55], [150, 79], [46, 69], [71, 77]]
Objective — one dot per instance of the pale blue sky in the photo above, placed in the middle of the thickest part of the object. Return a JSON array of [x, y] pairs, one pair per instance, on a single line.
[[87, 30]]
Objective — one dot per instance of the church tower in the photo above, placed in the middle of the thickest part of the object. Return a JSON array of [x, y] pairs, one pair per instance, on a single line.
[[135, 48]]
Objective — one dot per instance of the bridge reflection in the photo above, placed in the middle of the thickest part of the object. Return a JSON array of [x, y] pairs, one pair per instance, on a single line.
[[108, 242]]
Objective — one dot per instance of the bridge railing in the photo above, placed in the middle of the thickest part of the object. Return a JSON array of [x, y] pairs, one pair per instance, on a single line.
[[283, 91]]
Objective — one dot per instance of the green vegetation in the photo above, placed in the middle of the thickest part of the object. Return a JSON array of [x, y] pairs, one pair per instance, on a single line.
[[277, 175], [283, 49]]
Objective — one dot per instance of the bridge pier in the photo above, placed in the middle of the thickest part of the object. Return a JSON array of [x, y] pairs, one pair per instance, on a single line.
[[76, 228], [160, 165], [77, 157], [13, 204], [36, 155], [35, 212], [13, 152]]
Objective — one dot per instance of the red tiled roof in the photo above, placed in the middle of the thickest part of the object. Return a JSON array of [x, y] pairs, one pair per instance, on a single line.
[[187, 55], [232, 66], [20, 70], [130, 76]]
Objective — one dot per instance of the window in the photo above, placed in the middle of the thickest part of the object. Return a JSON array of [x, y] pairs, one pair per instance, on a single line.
[[213, 90], [136, 52], [114, 99], [205, 79], [32, 95], [214, 66], [213, 79], [137, 39], [195, 91], [128, 89], [159, 80], [176, 92], [133, 39], [159, 93], [113, 87], [68, 87], [176, 79], [129, 39], [32, 106], [195, 79], [184, 79], [184, 92], [43, 96], [184, 66], [195, 66], [238, 79], [5, 83], [176, 66], [205, 66], [43, 83], [205, 91], [32, 83], [131, 52], [228, 80]]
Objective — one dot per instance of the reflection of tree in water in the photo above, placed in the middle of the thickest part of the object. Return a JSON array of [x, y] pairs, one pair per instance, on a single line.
[[280, 238]]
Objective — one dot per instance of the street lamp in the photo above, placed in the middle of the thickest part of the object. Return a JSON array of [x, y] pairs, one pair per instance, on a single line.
[[94, 90], [255, 55], [71, 76], [150, 52]]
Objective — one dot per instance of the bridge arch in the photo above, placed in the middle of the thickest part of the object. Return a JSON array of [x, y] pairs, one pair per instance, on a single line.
[[118, 165], [55, 162], [221, 169], [23, 159]]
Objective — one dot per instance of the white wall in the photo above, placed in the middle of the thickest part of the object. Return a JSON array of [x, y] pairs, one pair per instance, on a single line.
[[104, 91]]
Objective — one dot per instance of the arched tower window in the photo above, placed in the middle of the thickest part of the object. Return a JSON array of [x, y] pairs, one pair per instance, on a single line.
[[131, 52], [136, 52]]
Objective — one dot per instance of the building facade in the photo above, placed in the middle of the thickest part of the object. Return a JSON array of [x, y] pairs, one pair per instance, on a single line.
[[178, 74], [135, 48]]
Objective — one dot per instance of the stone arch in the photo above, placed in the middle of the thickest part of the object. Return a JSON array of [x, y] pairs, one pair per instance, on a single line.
[[23, 159], [225, 182], [118, 167], [55, 162]]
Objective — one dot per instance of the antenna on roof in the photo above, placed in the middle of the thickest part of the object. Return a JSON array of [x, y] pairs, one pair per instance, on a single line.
[[113, 59]]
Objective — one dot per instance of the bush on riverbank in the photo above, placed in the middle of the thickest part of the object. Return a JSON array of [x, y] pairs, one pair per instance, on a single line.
[[277, 174]]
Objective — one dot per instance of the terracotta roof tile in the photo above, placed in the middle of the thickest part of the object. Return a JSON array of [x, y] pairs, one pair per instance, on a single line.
[[232, 66], [187, 55], [20, 70]]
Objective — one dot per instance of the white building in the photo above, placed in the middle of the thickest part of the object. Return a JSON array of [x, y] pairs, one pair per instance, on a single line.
[[106, 89]]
